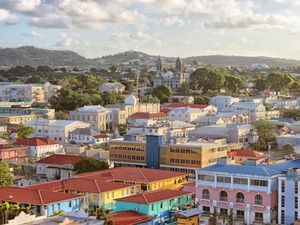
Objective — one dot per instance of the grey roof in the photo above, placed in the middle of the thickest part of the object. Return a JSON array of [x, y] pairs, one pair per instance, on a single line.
[[84, 131], [258, 170], [190, 212]]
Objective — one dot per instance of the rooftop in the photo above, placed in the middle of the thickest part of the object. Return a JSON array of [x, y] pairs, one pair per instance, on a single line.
[[35, 141], [154, 196], [92, 108], [246, 153], [34, 197], [147, 115], [128, 218], [60, 159], [180, 105]]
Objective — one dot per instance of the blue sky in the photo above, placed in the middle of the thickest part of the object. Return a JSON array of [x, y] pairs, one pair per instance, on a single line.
[[166, 27]]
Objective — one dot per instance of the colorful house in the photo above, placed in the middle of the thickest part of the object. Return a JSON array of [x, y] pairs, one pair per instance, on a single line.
[[44, 202], [155, 203], [98, 193], [189, 217]]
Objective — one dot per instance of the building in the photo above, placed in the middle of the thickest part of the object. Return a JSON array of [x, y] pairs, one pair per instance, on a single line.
[[255, 111], [56, 167], [167, 107], [292, 139], [115, 87], [232, 117], [152, 153], [40, 147], [173, 80], [11, 152], [44, 203], [240, 156], [95, 115], [88, 136], [39, 112], [223, 102], [248, 192], [155, 203], [57, 130], [189, 115], [284, 103], [189, 217], [34, 93], [233, 133], [146, 118], [210, 120], [102, 188], [181, 99], [9, 119]]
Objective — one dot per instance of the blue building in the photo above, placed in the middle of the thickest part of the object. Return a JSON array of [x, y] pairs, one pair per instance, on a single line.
[[153, 144], [44, 203]]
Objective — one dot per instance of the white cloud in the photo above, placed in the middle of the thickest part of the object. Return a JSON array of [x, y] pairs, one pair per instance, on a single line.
[[172, 21], [49, 22], [7, 17], [32, 34]]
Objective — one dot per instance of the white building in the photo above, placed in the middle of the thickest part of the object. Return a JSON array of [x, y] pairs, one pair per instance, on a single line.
[[34, 93], [190, 115], [233, 133], [284, 103], [57, 130], [40, 147], [87, 136], [223, 102], [115, 87], [255, 111]]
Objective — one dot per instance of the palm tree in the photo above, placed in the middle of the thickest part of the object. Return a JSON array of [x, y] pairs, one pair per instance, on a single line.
[[4, 208]]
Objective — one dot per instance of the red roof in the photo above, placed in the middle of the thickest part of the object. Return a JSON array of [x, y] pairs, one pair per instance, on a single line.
[[34, 197], [178, 105], [35, 141], [101, 136], [154, 196], [133, 174], [82, 185], [128, 218], [147, 115], [246, 153], [59, 159]]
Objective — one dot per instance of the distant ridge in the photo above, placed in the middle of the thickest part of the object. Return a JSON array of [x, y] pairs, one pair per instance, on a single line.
[[29, 55]]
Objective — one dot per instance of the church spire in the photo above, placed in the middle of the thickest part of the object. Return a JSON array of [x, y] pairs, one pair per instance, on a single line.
[[159, 66], [179, 66]]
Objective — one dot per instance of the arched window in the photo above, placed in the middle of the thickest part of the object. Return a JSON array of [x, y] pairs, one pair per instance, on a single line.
[[205, 194], [239, 197], [223, 196], [258, 200]]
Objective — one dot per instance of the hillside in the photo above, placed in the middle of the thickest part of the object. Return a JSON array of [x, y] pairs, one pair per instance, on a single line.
[[33, 56]]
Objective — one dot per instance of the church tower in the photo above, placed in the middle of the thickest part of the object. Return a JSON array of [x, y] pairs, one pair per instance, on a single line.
[[159, 67], [179, 67]]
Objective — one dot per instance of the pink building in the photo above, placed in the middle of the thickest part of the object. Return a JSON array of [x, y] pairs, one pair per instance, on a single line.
[[12, 152], [247, 192]]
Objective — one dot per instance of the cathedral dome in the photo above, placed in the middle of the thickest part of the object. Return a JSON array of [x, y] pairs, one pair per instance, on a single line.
[[130, 100]]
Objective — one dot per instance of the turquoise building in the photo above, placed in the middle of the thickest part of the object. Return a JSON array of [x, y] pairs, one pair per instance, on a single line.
[[155, 203]]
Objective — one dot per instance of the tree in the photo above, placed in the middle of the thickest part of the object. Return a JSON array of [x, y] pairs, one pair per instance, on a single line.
[[162, 92], [87, 164], [6, 176], [122, 128], [288, 148], [266, 132], [260, 84], [279, 81], [291, 113], [233, 83], [207, 78], [111, 98], [24, 131], [185, 89], [150, 99], [35, 79], [203, 99]]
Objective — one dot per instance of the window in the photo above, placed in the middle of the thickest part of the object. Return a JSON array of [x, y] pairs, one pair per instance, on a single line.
[[223, 196], [70, 204], [152, 207], [240, 181], [205, 194], [282, 201], [161, 205], [258, 200], [239, 197], [224, 179], [259, 217], [240, 214], [283, 185], [206, 178], [296, 202], [262, 183]]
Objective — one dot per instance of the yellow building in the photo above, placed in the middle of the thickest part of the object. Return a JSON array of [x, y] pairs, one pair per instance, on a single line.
[[16, 119], [186, 157], [189, 217], [183, 157]]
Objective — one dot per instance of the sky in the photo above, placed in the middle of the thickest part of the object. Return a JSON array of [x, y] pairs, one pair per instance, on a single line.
[[94, 28]]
